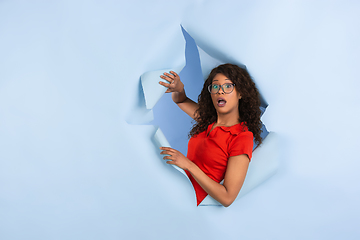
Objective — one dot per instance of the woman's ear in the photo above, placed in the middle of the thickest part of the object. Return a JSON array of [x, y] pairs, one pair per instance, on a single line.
[[239, 95]]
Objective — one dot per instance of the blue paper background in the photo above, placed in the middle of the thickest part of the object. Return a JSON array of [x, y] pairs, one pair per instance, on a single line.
[[71, 167]]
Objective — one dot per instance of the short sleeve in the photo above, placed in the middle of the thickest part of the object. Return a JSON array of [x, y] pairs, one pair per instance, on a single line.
[[241, 144]]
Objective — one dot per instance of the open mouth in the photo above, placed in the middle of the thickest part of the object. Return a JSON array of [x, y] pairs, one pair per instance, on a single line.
[[221, 102]]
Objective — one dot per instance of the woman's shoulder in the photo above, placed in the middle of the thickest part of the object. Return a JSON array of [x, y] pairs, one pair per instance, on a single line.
[[241, 141]]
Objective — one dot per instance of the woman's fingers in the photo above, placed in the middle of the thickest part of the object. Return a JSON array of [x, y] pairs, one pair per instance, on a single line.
[[166, 148], [170, 152], [167, 151], [168, 158], [167, 85], [174, 73], [174, 157], [173, 83], [168, 77], [170, 86]]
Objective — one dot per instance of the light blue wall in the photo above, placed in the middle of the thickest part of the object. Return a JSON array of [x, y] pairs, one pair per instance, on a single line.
[[72, 167]]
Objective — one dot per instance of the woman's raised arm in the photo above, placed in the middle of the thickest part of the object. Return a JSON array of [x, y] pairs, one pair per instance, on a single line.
[[176, 87]]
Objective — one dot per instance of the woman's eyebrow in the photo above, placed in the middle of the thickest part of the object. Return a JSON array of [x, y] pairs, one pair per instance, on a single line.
[[218, 80]]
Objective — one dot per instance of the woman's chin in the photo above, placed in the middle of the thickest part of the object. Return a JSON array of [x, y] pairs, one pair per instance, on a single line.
[[225, 110], [222, 111]]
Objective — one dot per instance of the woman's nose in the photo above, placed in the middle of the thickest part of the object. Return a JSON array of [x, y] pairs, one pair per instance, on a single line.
[[222, 90]]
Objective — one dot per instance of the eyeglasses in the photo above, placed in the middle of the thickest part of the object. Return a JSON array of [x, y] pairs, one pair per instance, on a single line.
[[226, 87]]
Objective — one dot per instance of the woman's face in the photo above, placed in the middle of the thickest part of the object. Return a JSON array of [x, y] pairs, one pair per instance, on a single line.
[[225, 103]]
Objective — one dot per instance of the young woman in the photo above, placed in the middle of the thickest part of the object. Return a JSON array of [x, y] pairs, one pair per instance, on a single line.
[[227, 119]]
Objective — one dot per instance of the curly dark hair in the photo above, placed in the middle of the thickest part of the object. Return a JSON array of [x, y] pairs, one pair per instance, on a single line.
[[249, 104]]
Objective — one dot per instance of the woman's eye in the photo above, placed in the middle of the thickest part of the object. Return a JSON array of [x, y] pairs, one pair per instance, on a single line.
[[215, 86], [227, 85]]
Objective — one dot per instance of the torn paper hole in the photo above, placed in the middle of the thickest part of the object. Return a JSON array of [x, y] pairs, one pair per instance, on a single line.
[[265, 158]]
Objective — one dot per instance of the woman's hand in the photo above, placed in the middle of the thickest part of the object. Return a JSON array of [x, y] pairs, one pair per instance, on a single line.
[[176, 158], [174, 85]]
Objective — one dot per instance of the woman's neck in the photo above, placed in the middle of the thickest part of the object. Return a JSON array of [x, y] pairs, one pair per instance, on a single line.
[[227, 120]]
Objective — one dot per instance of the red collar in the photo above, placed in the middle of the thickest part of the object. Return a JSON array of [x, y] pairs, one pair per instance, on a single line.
[[234, 130]]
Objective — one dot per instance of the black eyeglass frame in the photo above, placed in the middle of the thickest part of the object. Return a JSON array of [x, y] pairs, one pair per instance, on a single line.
[[222, 87]]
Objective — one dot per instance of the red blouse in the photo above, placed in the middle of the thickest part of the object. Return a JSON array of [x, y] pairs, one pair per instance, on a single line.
[[211, 151]]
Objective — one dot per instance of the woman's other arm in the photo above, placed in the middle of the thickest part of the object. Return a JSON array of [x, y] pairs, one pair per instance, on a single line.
[[234, 178], [176, 87]]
